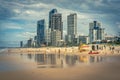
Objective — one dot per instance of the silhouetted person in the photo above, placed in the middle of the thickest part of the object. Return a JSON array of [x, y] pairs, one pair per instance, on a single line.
[[93, 47], [97, 47]]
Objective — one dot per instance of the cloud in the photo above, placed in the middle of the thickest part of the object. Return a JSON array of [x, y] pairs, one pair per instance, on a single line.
[[84, 6], [10, 25], [26, 35], [118, 24]]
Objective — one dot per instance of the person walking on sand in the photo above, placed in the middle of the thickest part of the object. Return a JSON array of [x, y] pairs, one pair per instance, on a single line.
[[104, 47], [93, 47], [112, 48], [59, 51], [97, 47]]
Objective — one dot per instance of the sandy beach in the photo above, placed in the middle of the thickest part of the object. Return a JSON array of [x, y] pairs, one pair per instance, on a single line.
[[29, 70], [101, 71]]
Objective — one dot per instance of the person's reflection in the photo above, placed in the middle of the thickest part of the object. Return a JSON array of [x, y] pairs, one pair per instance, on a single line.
[[90, 59], [29, 56], [51, 59], [70, 60], [40, 58]]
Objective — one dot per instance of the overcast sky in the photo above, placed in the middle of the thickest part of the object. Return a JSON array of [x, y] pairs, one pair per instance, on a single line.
[[18, 18]]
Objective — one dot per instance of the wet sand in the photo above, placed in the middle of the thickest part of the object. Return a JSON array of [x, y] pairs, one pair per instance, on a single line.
[[109, 70]]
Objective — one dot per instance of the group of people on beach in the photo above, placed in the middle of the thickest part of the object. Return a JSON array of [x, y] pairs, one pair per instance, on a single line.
[[110, 49], [114, 49], [98, 47]]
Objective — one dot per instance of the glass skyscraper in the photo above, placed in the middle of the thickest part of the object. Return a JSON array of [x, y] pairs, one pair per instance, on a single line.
[[41, 32], [56, 26], [57, 23], [53, 11]]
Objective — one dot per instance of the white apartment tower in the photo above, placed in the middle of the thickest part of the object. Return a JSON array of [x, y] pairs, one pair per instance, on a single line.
[[71, 27], [96, 33]]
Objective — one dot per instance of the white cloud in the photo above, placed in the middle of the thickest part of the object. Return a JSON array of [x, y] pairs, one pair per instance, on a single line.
[[10, 25], [96, 3], [14, 27], [26, 35], [118, 24], [40, 5], [84, 6], [35, 12], [17, 11]]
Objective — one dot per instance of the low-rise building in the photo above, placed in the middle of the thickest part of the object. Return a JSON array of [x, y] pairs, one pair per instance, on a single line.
[[84, 39]]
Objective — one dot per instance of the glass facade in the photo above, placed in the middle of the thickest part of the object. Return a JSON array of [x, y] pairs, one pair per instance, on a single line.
[[53, 11], [41, 32]]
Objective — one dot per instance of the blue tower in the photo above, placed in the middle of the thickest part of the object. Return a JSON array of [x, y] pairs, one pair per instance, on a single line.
[[53, 11], [41, 32]]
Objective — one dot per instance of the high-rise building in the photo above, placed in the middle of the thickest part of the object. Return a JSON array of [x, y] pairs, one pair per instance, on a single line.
[[96, 33], [55, 37], [21, 44], [57, 23], [35, 38], [53, 11], [71, 27], [35, 42], [48, 36], [41, 32], [29, 42], [72, 24]]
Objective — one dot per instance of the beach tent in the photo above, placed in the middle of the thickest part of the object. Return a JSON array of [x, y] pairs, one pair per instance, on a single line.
[[84, 47]]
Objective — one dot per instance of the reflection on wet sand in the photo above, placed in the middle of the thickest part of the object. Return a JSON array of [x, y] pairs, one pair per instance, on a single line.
[[62, 60], [58, 67]]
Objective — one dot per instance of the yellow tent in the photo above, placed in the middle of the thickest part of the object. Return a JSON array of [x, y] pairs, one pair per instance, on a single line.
[[84, 47]]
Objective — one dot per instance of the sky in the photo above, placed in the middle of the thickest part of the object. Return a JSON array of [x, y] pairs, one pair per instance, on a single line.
[[18, 18]]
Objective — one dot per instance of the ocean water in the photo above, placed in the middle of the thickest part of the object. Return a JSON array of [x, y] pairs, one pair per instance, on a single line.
[[3, 49]]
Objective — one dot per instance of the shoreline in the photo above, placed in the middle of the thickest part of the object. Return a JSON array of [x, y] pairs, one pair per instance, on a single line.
[[64, 50]]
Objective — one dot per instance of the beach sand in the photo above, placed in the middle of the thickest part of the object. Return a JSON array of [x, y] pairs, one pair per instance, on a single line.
[[102, 71], [99, 71], [65, 50]]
